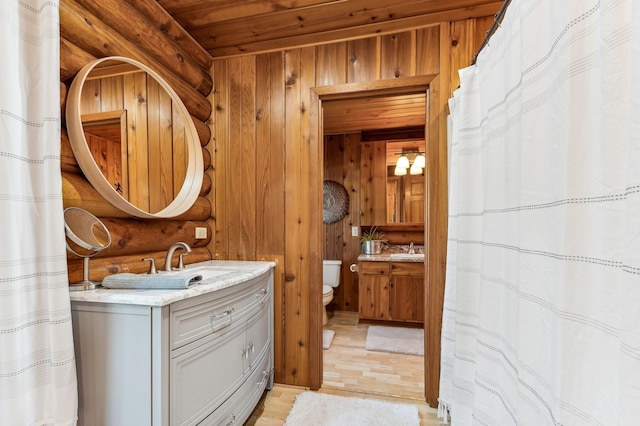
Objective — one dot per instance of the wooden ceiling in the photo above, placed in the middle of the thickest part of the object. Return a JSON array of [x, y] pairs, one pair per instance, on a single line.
[[374, 113], [235, 27]]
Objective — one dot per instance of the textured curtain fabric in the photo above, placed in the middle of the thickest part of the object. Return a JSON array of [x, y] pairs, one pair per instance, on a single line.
[[37, 365], [541, 322]]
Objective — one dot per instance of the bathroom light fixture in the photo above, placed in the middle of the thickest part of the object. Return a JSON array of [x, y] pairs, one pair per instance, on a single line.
[[400, 171], [403, 162], [415, 169], [411, 159]]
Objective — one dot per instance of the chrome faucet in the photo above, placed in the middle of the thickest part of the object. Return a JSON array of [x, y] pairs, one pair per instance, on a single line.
[[411, 249], [172, 249]]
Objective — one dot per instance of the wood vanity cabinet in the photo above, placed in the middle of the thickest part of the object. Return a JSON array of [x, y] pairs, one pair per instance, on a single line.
[[205, 360], [392, 291]]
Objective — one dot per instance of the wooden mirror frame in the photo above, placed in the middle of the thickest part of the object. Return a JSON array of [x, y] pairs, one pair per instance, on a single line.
[[190, 190]]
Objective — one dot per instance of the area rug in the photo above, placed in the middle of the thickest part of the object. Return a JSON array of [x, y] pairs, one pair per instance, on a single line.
[[327, 338], [399, 340], [321, 409]]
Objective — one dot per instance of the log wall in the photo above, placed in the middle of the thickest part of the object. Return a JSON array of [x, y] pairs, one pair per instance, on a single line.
[[90, 29], [267, 166]]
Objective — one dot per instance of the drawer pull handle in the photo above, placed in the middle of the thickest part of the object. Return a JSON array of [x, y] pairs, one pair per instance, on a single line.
[[224, 315], [232, 421], [265, 377], [261, 296], [248, 350]]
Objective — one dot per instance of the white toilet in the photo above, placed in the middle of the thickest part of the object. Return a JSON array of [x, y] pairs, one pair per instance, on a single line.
[[330, 280]]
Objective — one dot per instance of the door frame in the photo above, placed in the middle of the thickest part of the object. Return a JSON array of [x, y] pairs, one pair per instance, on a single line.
[[435, 216]]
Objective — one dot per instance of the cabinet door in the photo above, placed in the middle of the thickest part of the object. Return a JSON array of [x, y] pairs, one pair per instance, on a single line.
[[204, 377], [258, 337], [374, 290], [374, 296], [406, 299], [406, 292], [237, 409]]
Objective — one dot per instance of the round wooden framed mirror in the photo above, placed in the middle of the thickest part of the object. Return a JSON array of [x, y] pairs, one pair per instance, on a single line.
[[134, 139]]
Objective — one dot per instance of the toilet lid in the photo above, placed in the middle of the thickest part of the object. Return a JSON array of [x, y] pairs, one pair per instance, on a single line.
[[326, 289]]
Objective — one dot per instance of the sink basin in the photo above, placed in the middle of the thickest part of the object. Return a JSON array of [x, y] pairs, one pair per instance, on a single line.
[[209, 272], [406, 256]]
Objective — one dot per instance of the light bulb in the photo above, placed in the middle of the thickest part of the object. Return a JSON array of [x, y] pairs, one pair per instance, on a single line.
[[420, 161], [400, 171], [415, 169], [403, 162]]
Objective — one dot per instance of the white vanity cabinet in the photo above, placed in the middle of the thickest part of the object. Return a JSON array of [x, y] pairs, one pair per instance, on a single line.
[[204, 359]]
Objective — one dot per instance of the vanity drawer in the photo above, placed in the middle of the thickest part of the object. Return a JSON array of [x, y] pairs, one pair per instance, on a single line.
[[218, 313], [408, 269], [374, 268]]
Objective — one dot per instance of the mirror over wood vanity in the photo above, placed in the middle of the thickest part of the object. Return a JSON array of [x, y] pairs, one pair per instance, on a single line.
[[134, 139], [387, 198]]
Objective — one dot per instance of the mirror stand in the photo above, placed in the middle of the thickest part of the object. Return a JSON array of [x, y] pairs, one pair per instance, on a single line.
[[89, 236], [86, 283]]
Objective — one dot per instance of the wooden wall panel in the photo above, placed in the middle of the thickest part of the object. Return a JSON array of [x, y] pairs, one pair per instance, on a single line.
[[299, 153], [331, 64], [373, 172], [333, 233], [363, 60], [246, 165], [428, 50], [222, 146], [397, 55], [86, 36], [341, 159], [270, 148], [241, 166], [351, 180], [270, 197]]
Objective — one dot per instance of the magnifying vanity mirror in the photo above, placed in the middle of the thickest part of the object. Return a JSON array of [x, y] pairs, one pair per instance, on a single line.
[[134, 139], [86, 237]]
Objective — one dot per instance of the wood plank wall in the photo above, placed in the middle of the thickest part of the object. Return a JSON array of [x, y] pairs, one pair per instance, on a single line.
[[342, 165], [93, 29], [346, 160], [265, 161]]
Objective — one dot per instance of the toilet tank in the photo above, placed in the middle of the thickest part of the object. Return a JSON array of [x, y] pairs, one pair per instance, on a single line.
[[331, 272]]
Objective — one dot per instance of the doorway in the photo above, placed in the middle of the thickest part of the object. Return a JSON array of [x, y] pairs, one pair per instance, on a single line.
[[433, 243]]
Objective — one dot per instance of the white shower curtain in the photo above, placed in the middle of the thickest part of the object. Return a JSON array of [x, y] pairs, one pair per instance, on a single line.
[[37, 364], [541, 322]]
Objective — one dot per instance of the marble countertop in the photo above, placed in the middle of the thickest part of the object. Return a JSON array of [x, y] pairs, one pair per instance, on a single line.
[[391, 257], [238, 272]]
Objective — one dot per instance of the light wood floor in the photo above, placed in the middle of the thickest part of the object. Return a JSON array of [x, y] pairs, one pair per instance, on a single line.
[[351, 370]]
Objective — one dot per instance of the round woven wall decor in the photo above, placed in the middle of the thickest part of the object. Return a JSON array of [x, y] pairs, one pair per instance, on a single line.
[[335, 202]]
